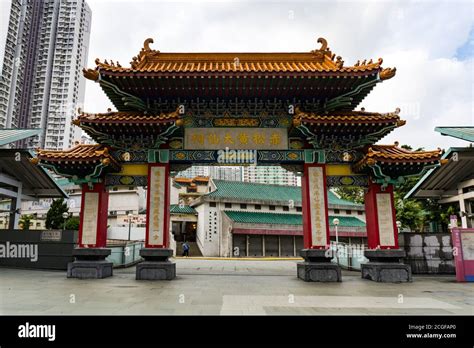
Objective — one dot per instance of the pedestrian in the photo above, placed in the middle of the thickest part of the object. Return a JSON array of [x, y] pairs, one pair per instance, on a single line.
[[185, 249]]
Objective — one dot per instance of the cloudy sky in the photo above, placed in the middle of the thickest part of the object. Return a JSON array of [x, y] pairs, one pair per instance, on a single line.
[[430, 43]]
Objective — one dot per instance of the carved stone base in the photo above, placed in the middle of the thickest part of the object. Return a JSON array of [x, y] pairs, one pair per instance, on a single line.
[[317, 267], [90, 263], [386, 266], [156, 265]]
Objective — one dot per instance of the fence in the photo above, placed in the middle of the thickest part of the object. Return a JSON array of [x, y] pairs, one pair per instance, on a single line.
[[124, 253]]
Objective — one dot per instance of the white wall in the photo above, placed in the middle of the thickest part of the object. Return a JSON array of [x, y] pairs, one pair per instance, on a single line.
[[136, 233]]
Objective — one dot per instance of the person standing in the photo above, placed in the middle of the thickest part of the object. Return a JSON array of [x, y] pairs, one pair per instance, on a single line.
[[185, 249]]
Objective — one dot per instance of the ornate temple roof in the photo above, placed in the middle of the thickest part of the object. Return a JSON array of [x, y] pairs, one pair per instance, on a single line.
[[127, 117], [156, 78], [80, 152], [81, 160], [351, 128], [321, 60], [389, 155], [349, 117]]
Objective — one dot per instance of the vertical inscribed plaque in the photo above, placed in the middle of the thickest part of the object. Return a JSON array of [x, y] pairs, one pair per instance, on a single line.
[[156, 207], [317, 201], [89, 220], [385, 219]]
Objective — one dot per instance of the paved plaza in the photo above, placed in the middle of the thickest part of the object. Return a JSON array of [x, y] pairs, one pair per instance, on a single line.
[[228, 287]]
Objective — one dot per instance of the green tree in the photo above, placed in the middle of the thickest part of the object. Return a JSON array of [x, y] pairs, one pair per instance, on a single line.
[[25, 222], [409, 212], [351, 193], [72, 223], [54, 217]]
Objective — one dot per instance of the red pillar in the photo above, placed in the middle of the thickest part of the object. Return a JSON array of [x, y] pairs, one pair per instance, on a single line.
[[158, 205], [315, 207], [380, 217], [93, 216]]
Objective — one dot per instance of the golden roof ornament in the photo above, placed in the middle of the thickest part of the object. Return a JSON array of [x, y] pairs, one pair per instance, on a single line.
[[387, 73]]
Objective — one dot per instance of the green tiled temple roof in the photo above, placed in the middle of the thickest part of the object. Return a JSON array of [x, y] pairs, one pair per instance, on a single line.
[[264, 218], [176, 209], [347, 221], [333, 199], [265, 192], [286, 219]]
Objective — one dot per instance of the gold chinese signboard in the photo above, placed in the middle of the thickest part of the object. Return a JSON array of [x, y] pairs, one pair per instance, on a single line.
[[236, 138], [385, 219], [318, 204], [156, 207], [89, 219]]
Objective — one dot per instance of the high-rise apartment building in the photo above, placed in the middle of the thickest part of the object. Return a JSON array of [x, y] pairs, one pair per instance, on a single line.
[[270, 175], [41, 84], [229, 173]]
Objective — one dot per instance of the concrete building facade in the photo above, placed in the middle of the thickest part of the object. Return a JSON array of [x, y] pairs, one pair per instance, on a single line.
[[216, 172], [270, 175]]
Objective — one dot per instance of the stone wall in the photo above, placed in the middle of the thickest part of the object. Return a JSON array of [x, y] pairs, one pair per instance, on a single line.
[[428, 253]]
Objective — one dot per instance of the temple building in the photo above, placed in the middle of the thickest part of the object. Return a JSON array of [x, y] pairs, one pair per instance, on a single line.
[[295, 110], [240, 219]]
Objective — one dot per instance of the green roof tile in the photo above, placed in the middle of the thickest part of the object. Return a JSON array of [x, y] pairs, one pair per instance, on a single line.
[[285, 219], [176, 209], [347, 221], [253, 191], [264, 218]]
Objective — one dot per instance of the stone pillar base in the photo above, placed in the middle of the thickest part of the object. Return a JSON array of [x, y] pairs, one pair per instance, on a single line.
[[385, 266], [156, 265], [317, 267], [90, 263]]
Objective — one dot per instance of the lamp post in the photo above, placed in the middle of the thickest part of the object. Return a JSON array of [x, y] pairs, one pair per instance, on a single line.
[[65, 216], [336, 223], [399, 225], [129, 225]]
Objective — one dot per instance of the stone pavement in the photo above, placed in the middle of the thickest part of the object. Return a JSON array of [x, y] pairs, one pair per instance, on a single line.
[[228, 287]]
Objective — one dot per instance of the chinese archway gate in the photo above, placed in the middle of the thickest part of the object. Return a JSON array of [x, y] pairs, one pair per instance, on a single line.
[[296, 110]]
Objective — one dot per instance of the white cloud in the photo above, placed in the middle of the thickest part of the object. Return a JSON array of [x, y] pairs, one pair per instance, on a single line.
[[419, 38]]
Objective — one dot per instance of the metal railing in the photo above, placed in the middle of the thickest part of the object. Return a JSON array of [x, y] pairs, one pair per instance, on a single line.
[[125, 255]]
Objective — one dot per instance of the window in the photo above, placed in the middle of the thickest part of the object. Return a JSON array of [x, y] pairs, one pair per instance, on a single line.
[[228, 205], [348, 212], [243, 206], [360, 212], [271, 207], [285, 208], [299, 209], [212, 204], [258, 207], [336, 211]]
